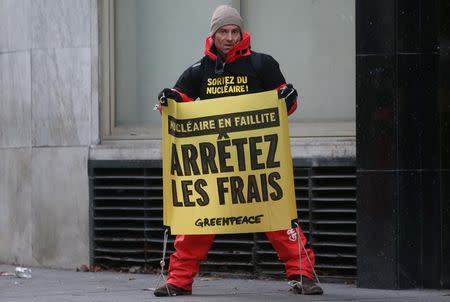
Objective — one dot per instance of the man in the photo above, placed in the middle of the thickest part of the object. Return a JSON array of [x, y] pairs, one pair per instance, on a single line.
[[228, 59]]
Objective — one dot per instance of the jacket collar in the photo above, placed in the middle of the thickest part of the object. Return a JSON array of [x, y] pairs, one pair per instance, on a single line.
[[239, 50]]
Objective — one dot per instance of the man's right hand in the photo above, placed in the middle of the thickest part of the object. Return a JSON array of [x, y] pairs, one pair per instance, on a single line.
[[168, 93]]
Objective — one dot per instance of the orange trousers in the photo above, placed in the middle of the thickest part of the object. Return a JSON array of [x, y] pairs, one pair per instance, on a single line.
[[191, 249]]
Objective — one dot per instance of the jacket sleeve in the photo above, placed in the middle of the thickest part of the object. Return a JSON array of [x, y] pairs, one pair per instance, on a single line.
[[273, 78], [188, 84]]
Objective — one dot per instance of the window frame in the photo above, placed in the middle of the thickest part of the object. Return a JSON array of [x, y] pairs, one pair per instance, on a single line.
[[110, 133]]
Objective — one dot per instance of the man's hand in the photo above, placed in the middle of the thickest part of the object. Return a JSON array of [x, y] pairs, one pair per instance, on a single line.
[[289, 94], [168, 93]]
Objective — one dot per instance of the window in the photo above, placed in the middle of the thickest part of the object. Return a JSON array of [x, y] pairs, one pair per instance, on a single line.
[[148, 44]]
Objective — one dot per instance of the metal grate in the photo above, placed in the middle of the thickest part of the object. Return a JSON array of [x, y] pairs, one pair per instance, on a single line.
[[326, 205], [127, 230]]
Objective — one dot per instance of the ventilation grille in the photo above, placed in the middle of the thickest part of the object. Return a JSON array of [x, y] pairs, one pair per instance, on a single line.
[[127, 228]]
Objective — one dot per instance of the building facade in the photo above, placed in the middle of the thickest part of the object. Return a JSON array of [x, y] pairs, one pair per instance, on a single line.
[[80, 149]]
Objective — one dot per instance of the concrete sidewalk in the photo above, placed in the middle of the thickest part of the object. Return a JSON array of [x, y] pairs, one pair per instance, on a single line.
[[64, 285]]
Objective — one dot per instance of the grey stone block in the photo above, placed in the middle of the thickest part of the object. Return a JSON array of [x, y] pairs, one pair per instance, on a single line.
[[15, 206], [61, 89], [60, 23], [15, 99], [15, 30], [60, 207]]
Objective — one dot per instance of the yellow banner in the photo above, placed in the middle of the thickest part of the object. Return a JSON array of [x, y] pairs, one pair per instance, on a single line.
[[227, 165]]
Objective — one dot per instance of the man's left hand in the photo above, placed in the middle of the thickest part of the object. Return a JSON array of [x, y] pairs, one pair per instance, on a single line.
[[289, 94]]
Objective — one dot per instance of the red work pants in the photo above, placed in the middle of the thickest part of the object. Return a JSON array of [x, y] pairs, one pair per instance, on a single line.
[[191, 249]]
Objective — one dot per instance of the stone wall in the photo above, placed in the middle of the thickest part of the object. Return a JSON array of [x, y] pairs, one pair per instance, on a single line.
[[48, 120]]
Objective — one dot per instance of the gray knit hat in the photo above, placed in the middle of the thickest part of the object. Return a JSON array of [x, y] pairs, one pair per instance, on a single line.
[[225, 15]]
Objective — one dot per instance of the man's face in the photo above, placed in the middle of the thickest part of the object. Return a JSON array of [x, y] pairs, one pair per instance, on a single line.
[[226, 37]]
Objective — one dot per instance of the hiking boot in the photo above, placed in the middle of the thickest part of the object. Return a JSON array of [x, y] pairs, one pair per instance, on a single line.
[[305, 286], [168, 289]]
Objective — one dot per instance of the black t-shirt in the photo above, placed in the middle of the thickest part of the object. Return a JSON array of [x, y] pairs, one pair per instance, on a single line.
[[208, 78]]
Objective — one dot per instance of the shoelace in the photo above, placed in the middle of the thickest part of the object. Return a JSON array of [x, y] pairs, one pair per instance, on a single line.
[[296, 283], [162, 263]]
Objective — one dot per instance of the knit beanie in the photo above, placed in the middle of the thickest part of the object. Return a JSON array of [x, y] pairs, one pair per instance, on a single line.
[[225, 15]]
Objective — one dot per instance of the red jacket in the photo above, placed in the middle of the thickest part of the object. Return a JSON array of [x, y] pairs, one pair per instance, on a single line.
[[243, 72]]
